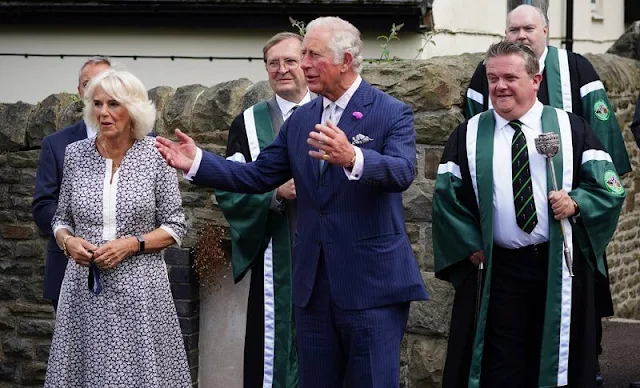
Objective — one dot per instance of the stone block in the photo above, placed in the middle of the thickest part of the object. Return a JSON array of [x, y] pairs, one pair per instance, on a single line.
[[71, 114], [8, 370], [9, 175], [47, 116], [177, 256], [417, 202], [192, 199], [36, 327], [427, 262], [16, 231], [32, 310], [433, 316], [628, 44], [435, 127], [426, 361], [24, 159], [7, 320], [33, 249], [177, 110], [256, 93], [10, 287], [18, 347], [33, 372], [216, 107], [160, 96], [432, 157], [15, 267], [185, 291], [13, 125], [42, 352]]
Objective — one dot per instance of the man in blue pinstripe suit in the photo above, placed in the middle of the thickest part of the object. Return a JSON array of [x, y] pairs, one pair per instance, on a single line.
[[351, 153]]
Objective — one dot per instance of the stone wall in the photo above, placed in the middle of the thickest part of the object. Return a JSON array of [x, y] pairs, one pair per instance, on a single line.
[[434, 89]]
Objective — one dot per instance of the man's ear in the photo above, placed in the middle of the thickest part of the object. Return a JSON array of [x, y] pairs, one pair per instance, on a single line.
[[537, 80], [347, 61]]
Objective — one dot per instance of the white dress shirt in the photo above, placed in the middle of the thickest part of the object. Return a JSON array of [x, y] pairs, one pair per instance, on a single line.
[[334, 109], [506, 232], [286, 106]]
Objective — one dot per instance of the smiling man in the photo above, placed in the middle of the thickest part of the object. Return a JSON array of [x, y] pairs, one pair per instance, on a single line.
[[494, 203], [263, 224]]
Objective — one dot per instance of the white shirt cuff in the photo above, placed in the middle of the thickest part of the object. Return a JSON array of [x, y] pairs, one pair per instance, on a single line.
[[172, 233], [356, 172], [195, 166]]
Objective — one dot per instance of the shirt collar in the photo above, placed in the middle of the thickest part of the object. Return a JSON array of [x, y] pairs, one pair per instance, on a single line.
[[344, 99], [286, 105], [542, 59], [529, 119], [90, 132]]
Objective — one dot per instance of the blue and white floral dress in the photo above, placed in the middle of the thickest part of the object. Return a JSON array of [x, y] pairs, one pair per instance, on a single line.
[[128, 335]]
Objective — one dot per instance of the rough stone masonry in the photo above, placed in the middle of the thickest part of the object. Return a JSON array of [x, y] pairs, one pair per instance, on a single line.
[[433, 88]]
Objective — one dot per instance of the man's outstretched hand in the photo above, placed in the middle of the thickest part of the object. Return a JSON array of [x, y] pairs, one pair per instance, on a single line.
[[179, 154]]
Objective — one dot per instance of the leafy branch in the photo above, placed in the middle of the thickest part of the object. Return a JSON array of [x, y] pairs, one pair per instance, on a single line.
[[428, 38], [299, 24], [393, 35]]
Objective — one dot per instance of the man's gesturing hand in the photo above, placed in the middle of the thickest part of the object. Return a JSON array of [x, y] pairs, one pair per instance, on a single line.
[[332, 144], [179, 154]]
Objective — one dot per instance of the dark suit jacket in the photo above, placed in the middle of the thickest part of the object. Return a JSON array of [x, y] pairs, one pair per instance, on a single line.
[[45, 200], [358, 226]]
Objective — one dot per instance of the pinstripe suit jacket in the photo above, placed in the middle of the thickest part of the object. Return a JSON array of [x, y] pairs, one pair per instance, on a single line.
[[358, 226]]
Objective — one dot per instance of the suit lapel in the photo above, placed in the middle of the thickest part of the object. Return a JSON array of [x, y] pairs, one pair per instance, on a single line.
[[360, 102], [276, 115]]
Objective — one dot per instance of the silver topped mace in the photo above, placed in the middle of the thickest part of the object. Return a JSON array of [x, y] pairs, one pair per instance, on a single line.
[[547, 145]]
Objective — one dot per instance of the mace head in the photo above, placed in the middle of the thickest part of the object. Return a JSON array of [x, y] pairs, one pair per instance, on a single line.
[[547, 144]]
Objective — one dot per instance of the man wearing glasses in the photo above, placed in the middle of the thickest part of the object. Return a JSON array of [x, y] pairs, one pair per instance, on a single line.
[[262, 225]]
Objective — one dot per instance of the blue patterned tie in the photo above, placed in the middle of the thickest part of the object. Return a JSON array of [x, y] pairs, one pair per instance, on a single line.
[[522, 187]]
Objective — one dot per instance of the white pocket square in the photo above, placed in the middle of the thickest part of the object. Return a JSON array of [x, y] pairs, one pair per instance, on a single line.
[[360, 139]]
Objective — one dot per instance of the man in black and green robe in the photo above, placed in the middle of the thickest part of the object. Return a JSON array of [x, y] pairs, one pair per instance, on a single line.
[[530, 325], [569, 83], [262, 225]]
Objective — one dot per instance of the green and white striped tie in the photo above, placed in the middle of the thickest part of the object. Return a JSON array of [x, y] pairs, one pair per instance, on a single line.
[[522, 187]]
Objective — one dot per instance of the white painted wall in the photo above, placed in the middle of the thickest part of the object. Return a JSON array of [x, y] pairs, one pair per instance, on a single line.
[[32, 79], [461, 25]]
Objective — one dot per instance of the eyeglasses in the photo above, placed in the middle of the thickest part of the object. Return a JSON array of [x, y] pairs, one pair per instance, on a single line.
[[289, 64]]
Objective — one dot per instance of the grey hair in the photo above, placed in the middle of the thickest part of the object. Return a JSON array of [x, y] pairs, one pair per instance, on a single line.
[[543, 16], [129, 91], [345, 38], [277, 38], [97, 60], [505, 47]]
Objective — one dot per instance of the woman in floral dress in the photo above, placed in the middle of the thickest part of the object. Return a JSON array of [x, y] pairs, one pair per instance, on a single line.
[[119, 206]]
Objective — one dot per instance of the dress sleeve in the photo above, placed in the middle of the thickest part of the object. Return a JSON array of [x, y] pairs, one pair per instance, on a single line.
[[169, 213], [63, 217]]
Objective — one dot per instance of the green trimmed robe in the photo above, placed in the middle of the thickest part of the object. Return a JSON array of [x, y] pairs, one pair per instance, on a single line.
[[570, 83], [260, 241], [463, 224]]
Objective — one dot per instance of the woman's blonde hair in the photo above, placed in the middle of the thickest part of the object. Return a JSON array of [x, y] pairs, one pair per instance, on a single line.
[[129, 91]]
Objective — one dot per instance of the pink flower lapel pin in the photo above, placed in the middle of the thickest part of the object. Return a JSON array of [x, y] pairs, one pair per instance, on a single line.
[[357, 115]]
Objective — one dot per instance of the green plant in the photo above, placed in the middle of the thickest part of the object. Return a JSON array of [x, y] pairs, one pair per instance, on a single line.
[[393, 35], [299, 24], [428, 38]]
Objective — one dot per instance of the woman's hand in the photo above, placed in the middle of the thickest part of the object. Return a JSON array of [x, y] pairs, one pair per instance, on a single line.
[[79, 250], [112, 253]]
